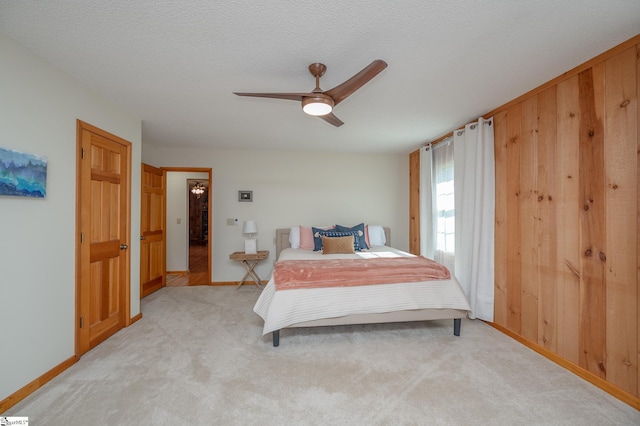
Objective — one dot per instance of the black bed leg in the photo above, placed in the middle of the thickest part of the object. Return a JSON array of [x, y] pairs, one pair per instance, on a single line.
[[456, 326], [276, 338]]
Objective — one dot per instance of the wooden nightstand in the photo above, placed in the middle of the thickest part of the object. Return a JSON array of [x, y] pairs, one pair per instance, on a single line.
[[249, 261]]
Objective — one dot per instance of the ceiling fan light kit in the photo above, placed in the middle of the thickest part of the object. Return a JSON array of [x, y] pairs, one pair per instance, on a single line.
[[317, 105], [320, 103]]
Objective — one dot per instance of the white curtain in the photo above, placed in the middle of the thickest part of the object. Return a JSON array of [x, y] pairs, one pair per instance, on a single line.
[[475, 208]]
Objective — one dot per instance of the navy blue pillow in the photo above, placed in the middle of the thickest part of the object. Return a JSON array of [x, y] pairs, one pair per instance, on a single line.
[[358, 231], [317, 237], [319, 233]]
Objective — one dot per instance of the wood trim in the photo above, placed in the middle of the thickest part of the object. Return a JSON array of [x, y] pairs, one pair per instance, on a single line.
[[78, 231], [135, 318], [164, 228], [187, 169], [614, 391], [28, 389], [208, 170], [571, 73]]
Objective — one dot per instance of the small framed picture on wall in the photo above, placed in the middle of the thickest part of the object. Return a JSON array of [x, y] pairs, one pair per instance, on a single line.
[[245, 196]]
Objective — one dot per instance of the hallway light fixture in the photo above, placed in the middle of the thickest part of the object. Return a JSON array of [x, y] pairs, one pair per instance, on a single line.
[[198, 189]]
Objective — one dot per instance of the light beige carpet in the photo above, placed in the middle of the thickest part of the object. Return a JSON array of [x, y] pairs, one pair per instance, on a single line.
[[197, 357]]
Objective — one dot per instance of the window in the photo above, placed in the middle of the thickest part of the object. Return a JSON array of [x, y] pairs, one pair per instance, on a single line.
[[443, 204], [437, 205], [445, 208]]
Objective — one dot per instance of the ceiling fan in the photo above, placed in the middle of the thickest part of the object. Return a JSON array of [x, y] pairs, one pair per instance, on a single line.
[[320, 103]]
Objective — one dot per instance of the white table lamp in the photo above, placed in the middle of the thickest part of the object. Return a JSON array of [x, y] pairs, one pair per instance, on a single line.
[[250, 244]]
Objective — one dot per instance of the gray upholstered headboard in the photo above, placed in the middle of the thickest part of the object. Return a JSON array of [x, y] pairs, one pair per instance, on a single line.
[[282, 239]]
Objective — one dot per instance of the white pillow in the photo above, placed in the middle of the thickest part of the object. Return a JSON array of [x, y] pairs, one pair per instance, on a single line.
[[294, 237], [376, 235]]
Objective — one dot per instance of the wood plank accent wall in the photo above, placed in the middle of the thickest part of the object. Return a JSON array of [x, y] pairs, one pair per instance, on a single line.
[[567, 218], [414, 201], [567, 250]]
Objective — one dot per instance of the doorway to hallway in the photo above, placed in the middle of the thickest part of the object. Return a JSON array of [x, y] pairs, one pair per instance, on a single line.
[[188, 231]]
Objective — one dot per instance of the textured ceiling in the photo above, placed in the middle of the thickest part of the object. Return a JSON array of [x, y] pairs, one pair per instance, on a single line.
[[175, 64]]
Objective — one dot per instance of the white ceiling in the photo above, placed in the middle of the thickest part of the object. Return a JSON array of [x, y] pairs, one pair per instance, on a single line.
[[175, 64]]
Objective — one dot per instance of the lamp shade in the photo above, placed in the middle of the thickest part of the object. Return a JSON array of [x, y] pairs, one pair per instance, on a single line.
[[249, 227]]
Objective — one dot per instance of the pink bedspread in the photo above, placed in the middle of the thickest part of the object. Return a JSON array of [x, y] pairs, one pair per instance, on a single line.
[[296, 274]]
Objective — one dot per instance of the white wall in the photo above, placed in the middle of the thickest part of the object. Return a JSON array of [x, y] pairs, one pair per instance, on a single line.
[[294, 188], [39, 106], [177, 234]]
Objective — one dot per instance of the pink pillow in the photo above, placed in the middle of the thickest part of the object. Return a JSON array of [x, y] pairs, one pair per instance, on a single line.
[[306, 238]]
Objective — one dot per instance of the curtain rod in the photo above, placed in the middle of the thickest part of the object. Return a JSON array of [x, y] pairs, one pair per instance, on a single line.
[[444, 142], [450, 134]]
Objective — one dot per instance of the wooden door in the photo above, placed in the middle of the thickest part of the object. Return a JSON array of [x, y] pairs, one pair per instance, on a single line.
[[103, 235], [152, 238]]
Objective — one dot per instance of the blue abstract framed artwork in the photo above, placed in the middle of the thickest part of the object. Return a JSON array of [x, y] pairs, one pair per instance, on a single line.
[[22, 174]]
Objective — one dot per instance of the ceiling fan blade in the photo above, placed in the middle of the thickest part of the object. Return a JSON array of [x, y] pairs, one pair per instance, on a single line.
[[331, 119], [290, 96], [341, 91]]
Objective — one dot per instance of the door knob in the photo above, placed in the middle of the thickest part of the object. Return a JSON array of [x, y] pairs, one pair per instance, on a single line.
[[142, 237], [123, 246]]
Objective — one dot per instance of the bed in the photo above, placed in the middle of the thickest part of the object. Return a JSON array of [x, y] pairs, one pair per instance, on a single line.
[[362, 304]]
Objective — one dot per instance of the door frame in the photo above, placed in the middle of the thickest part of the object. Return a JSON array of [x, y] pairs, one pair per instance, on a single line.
[[126, 186], [209, 171], [191, 181]]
